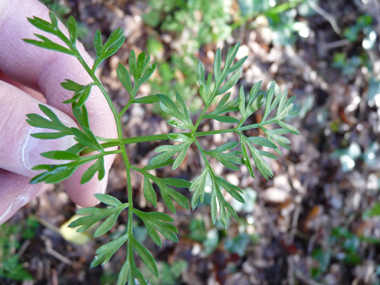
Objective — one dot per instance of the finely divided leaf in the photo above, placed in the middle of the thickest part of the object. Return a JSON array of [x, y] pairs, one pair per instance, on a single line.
[[231, 55], [48, 44], [124, 274], [268, 101], [107, 224], [224, 107], [98, 166], [146, 256], [201, 74], [132, 61], [290, 128], [113, 43], [242, 102], [180, 112], [167, 151], [87, 138], [179, 137], [149, 192], [254, 92], [260, 163], [142, 62], [231, 189], [156, 221], [147, 99], [167, 192], [42, 25], [71, 85], [54, 124], [107, 199], [106, 251], [60, 155], [73, 29], [217, 64], [181, 183], [158, 165], [124, 77], [261, 141], [94, 215], [198, 186], [76, 148], [55, 174], [237, 65], [227, 159], [181, 155], [81, 115], [231, 81], [246, 159], [148, 73]]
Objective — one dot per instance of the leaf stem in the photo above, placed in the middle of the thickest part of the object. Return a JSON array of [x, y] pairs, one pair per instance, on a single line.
[[160, 137], [214, 92], [128, 167], [122, 150], [125, 108], [203, 155], [200, 119], [131, 98], [104, 92]]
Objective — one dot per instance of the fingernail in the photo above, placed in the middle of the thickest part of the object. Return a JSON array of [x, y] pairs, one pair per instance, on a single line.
[[34, 147], [13, 208]]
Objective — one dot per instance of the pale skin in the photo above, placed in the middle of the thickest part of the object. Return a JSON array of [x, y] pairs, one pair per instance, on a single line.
[[29, 76]]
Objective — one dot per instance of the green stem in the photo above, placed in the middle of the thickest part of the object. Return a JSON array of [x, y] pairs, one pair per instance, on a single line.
[[200, 119], [258, 125], [85, 159], [125, 108], [131, 99], [160, 137], [203, 155], [214, 92], [105, 94], [123, 153], [166, 136], [128, 167], [108, 140]]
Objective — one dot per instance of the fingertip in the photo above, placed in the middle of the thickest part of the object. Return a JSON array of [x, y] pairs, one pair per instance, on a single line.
[[15, 192]]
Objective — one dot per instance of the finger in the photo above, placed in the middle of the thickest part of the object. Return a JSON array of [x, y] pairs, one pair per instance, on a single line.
[[46, 69], [21, 151], [15, 192], [31, 92]]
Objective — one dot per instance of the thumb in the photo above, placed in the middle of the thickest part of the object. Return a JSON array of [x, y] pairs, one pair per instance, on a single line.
[[19, 151]]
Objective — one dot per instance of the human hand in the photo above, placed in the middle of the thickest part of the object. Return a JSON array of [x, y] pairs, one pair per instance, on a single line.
[[28, 76]]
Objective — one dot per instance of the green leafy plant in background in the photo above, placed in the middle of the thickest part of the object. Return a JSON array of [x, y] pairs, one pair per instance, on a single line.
[[276, 108], [208, 18], [169, 273], [192, 24], [10, 265], [362, 33], [348, 252], [344, 245], [281, 17]]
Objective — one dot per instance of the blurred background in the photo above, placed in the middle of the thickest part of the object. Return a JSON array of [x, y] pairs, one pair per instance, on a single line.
[[316, 222]]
